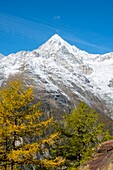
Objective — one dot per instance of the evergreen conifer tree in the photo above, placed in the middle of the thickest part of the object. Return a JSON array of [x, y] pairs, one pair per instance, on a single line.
[[22, 129], [81, 132]]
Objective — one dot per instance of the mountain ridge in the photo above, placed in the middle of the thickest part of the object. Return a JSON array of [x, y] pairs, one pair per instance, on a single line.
[[57, 37], [64, 70]]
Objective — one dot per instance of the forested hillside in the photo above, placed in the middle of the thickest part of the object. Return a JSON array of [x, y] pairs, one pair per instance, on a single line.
[[28, 139]]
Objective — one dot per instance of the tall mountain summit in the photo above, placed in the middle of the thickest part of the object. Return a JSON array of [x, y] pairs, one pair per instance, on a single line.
[[64, 73]]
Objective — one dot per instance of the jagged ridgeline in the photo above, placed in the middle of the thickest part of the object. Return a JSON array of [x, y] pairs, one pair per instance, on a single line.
[[64, 73]]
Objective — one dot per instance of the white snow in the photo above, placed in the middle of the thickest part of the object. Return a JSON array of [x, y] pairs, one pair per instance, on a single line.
[[56, 62]]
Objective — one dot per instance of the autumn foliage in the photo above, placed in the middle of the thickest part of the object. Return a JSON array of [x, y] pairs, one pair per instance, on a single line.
[[22, 129]]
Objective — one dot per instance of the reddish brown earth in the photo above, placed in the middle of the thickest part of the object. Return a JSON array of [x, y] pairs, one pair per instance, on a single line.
[[102, 159]]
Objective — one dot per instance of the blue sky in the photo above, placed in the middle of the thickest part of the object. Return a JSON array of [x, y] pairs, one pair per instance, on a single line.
[[26, 24]]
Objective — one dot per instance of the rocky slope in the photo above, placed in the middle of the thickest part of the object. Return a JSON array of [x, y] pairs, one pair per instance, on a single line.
[[64, 74], [102, 159]]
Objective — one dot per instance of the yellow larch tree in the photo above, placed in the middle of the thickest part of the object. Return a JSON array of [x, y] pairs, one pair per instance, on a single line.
[[24, 139]]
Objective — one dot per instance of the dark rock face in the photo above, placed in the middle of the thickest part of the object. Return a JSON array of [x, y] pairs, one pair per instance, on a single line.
[[111, 83], [102, 159]]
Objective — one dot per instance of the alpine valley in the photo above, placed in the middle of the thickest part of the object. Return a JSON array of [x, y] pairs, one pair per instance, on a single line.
[[63, 75]]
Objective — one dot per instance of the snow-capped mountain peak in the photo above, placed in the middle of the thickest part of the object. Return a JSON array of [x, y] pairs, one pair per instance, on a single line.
[[63, 69], [56, 43], [57, 38]]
